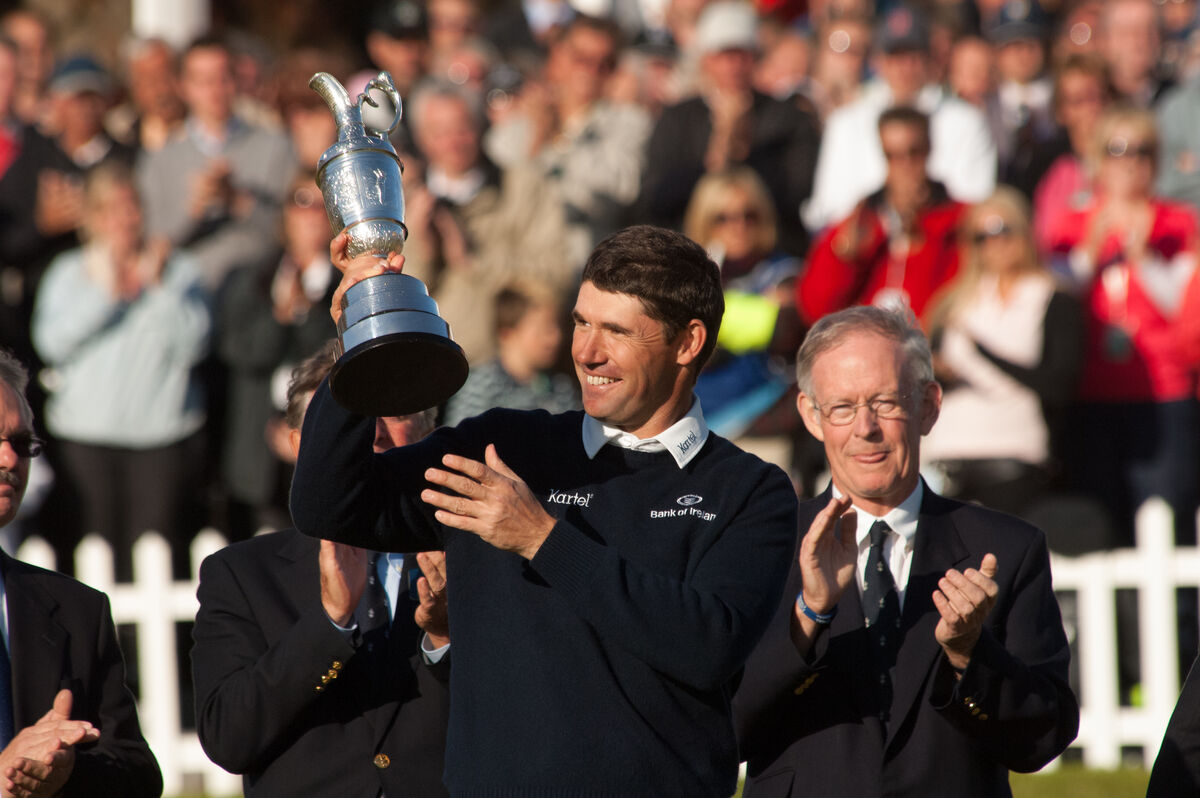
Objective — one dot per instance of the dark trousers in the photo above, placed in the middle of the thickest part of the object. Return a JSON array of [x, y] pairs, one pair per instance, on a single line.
[[125, 492]]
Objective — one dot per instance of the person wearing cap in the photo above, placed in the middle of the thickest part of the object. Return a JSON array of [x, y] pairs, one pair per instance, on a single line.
[[398, 42], [216, 188], [1025, 94], [79, 93], [730, 124], [852, 164]]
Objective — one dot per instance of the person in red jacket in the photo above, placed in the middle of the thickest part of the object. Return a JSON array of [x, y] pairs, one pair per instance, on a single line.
[[899, 245], [1132, 255]]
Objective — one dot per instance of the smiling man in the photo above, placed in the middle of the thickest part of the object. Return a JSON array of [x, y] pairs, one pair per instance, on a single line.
[[613, 568], [945, 666]]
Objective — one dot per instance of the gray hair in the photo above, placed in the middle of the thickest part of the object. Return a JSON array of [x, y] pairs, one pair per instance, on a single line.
[[433, 88], [14, 374], [895, 325]]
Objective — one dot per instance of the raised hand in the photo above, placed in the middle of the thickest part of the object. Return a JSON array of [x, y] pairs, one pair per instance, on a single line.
[[356, 269], [343, 579], [964, 601], [431, 615]]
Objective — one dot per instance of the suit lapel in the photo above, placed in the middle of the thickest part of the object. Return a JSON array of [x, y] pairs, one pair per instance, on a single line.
[[35, 643], [937, 548]]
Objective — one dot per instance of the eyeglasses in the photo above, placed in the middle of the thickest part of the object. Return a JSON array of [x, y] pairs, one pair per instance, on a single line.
[[844, 413], [25, 445], [748, 216], [979, 237], [1120, 147]]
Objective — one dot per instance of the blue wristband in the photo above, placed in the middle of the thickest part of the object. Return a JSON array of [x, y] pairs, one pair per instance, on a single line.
[[815, 617]]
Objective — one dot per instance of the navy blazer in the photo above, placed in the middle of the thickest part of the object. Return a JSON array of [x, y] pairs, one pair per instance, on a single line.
[[61, 635], [809, 725], [262, 645]]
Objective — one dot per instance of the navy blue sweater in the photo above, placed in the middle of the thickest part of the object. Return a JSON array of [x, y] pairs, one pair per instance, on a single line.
[[604, 665]]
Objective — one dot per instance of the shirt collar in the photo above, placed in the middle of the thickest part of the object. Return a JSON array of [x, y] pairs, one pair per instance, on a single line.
[[902, 518], [683, 439]]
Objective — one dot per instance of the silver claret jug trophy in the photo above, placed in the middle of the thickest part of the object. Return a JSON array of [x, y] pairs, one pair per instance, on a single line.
[[397, 356]]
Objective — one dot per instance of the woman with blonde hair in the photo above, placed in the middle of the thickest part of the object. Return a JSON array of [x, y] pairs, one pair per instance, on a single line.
[[1007, 342], [1132, 254], [731, 214], [123, 324]]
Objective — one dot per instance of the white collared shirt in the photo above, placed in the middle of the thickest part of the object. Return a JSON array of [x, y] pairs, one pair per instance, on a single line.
[[903, 520], [683, 439]]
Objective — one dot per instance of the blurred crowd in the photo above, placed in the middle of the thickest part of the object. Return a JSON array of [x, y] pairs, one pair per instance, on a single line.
[[1022, 177]]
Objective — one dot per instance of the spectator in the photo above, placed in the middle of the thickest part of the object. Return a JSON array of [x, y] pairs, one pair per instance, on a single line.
[[308, 657], [1179, 135], [306, 117], [528, 337], [69, 724], [30, 31], [1132, 255], [398, 43], [1081, 93], [217, 187], [523, 29], [154, 110], [1008, 345], [472, 227], [452, 25], [1024, 93], [840, 62], [898, 246], [852, 165], [1130, 39], [589, 151], [745, 389], [271, 316], [79, 93], [730, 124], [123, 325]]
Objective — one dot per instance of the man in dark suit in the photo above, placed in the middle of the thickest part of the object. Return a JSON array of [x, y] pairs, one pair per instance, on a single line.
[[302, 684], [944, 665], [59, 659]]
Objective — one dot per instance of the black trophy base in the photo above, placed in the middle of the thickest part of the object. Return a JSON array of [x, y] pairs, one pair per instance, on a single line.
[[398, 374]]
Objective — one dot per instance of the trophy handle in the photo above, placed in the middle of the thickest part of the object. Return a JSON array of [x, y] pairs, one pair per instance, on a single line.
[[384, 83]]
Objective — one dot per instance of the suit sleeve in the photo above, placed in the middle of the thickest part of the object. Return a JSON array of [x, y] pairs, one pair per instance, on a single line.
[[1177, 766], [249, 695], [343, 492], [699, 630], [120, 763], [1015, 698]]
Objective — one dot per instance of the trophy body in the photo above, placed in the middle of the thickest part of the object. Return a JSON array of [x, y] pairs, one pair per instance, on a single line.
[[397, 356]]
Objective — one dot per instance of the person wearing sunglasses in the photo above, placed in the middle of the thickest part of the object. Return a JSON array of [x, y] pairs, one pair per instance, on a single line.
[[744, 389], [1134, 433], [1007, 345], [899, 245]]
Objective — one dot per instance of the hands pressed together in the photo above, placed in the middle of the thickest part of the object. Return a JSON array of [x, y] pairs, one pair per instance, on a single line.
[[39, 760], [828, 564]]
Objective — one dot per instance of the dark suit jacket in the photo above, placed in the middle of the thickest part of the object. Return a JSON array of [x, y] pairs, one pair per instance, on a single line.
[[262, 644], [1177, 766], [61, 635], [809, 726]]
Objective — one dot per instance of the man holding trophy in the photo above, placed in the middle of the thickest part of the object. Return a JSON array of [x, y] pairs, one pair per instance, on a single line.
[[611, 569]]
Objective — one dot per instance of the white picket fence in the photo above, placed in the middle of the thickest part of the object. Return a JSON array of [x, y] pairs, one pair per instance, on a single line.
[[155, 604]]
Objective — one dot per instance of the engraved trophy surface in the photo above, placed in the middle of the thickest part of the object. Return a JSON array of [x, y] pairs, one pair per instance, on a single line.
[[397, 356]]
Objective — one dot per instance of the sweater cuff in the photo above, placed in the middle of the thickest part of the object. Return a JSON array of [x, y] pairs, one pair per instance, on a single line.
[[568, 559]]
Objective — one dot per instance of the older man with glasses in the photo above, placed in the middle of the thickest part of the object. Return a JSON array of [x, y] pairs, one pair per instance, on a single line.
[[919, 640]]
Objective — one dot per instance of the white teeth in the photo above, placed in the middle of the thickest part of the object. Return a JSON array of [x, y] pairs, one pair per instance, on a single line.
[[594, 380]]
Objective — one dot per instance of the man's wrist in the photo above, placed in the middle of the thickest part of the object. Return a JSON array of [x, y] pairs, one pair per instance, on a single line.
[[819, 618]]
